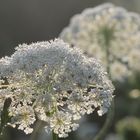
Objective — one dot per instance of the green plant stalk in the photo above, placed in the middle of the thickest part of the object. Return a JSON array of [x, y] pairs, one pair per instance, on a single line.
[[54, 136], [109, 118], [101, 134], [4, 116]]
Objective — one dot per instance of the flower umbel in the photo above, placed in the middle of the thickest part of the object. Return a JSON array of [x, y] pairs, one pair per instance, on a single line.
[[51, 81], [107, 26]]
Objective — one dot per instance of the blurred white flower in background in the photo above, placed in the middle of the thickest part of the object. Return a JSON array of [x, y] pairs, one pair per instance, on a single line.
[[107, 32], [55, 83], [135, 94]]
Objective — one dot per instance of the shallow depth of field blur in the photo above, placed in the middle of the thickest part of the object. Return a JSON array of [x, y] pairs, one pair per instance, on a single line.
[[27, 21]]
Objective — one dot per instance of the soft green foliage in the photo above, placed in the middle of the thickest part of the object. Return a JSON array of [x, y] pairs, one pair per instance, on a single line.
[[129, 128]]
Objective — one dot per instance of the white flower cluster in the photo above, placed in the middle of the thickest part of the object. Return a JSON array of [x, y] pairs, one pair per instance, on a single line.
[[54, 83], [111, 28]]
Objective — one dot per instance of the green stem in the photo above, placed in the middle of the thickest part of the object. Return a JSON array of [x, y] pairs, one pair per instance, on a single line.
[[1, 137], [54, 136], [109, 119], [101, 134], [4, 116]]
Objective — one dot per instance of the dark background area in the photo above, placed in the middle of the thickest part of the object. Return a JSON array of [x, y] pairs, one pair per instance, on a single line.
[[26, 21]]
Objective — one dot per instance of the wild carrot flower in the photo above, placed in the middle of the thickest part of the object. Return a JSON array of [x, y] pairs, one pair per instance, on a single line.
[[107, 26], [54, 83]]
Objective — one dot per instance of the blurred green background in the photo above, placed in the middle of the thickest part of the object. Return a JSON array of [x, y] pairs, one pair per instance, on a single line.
[[26, 21]]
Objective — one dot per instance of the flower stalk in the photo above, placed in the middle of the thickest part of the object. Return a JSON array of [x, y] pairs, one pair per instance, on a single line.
[[109, 118], [54, 136], [4, 116]]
